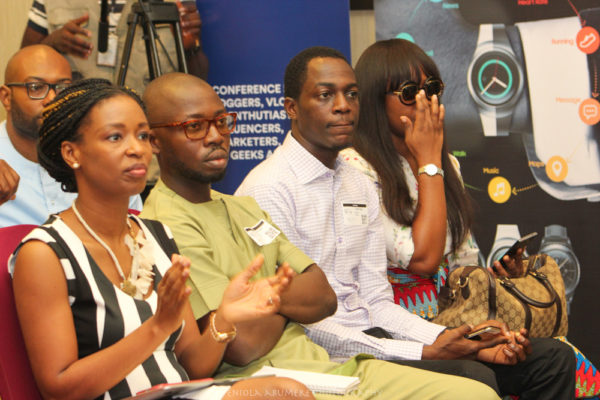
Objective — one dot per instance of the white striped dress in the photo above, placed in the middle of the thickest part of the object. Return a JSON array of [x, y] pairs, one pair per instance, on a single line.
[[102, 313]]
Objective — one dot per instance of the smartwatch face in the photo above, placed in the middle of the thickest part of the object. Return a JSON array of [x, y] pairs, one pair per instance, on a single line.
[[494, 78], [568, 265]]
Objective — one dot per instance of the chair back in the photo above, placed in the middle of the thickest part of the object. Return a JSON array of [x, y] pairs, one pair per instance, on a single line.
[[16, 378]]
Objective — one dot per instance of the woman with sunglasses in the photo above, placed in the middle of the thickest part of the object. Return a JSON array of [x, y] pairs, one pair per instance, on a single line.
[[400, 144], [101, 294]]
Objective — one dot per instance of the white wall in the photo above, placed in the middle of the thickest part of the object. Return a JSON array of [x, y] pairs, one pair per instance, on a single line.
[[13, 18], [362, 32]]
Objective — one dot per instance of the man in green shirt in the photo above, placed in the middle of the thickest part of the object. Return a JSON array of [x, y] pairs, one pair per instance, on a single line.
[[221, 234]]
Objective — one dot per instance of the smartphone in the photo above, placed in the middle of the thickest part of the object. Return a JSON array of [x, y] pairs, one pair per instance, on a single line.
[[476, 335], [522, 243]]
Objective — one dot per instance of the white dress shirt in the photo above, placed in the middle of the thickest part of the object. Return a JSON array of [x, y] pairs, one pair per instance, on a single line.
[[333, 215]]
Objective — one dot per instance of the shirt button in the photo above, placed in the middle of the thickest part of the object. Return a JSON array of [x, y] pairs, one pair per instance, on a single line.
[[340, 240]]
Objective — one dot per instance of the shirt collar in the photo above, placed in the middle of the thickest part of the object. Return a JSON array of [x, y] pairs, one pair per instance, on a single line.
[[162, 187], [304, 165]]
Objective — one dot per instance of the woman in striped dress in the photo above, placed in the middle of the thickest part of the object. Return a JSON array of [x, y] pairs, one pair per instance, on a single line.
[[101, 294]]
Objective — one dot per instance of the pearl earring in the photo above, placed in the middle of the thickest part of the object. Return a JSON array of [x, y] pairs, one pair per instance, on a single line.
[[75, 165]]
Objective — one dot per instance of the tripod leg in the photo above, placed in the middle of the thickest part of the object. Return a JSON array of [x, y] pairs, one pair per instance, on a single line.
[[148, 14], [179, 47], [132, 22], [151, 50]]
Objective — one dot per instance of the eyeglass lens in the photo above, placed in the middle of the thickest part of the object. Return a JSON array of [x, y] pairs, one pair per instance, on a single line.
[[433, 87], [197, 129], [408, 92], [39, 90]]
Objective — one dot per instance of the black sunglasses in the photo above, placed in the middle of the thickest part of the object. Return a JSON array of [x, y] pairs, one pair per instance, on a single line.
[[409, 89]]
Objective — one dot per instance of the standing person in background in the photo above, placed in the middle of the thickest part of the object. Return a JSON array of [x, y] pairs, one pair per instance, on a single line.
[[97, 289], [71, 27]]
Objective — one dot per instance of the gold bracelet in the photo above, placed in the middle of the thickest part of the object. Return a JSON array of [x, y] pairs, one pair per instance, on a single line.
[[221, 337]]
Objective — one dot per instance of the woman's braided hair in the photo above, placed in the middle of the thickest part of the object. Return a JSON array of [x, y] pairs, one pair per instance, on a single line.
[[62, 119]]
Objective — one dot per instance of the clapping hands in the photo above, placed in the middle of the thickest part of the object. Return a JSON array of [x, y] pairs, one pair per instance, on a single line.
[[173, 294], [244, 300]]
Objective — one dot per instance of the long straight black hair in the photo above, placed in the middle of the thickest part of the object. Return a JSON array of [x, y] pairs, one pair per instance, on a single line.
[[384, 66]]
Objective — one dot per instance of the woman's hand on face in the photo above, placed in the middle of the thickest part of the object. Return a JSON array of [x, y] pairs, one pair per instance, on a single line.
[[244, 300], [424, 138], [173, 295]]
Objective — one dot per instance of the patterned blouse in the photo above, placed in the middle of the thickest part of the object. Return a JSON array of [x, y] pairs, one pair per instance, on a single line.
[[417, 293]]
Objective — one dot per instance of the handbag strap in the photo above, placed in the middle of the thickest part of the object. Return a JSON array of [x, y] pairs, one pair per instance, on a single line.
[[544, 279], [510, 286], [526, 309]]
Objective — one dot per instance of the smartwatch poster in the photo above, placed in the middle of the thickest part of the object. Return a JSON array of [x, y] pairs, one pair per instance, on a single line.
[[522, 91], [248, 45]]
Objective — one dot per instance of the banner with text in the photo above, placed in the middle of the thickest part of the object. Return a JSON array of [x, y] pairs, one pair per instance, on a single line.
[[248, 44]]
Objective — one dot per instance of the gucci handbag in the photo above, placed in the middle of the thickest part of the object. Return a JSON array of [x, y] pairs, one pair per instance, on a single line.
[[535, 301]]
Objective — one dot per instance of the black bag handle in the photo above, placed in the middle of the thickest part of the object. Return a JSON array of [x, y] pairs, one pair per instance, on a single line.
[[510, 286]]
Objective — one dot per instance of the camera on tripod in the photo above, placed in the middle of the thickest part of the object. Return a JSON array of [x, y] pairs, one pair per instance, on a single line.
[[149, 14]]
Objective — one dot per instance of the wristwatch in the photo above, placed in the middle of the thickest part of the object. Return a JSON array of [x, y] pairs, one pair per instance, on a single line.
[[495, 79], [506, 236], [557, 245], [431, 170]]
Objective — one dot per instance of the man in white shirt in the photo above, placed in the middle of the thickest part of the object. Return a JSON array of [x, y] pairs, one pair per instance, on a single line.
[[33, 77], [331, 212]]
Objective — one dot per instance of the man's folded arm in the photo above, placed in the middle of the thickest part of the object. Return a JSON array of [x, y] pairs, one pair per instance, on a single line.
[[309, 298]]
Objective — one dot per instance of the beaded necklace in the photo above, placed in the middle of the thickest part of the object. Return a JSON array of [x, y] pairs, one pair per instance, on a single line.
[[140, 277]]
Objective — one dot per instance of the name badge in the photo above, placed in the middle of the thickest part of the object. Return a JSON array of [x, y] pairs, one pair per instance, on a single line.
[[355, 214], [262, 233], [109, 57]]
